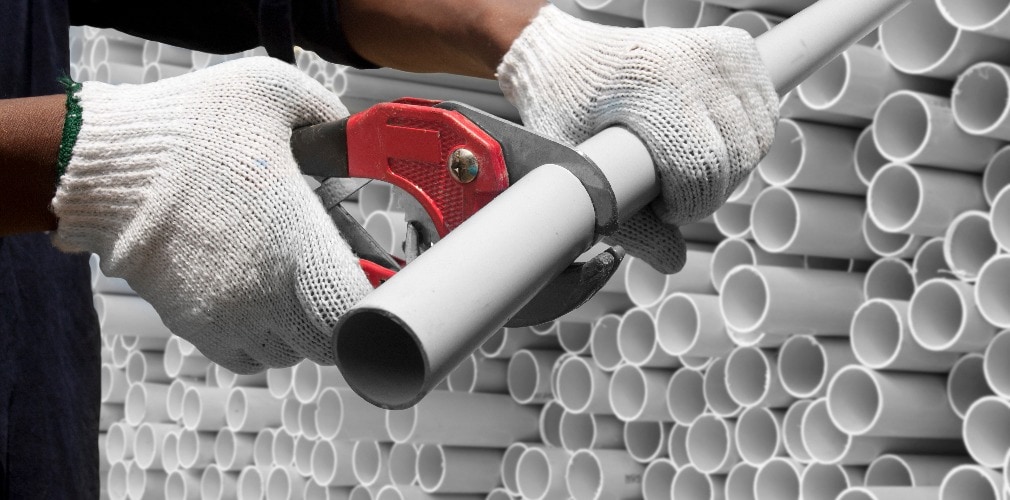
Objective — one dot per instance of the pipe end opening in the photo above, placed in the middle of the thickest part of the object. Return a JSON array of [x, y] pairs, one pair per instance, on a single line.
[[380, 358]]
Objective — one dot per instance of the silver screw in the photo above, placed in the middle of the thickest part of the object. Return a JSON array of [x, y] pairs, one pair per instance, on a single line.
[[463, 165]]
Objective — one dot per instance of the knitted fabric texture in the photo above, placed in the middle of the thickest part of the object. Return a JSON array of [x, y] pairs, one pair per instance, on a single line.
[[187, 188], [700, 99]]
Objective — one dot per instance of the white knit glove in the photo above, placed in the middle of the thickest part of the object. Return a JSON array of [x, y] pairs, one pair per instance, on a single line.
[[700, 99], [187, 188]]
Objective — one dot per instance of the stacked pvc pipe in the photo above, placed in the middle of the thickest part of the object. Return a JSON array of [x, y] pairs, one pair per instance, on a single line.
[[841, 329]]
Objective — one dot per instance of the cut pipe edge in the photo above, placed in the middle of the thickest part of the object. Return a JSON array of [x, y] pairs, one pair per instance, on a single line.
[[943, 316], [685, 396], [996, 364], [999, 218], [753, 380], [989, 18], [985, 428], [890, 245], [889, 278], [979, 100], [969, 244], [966, 383], [971, 481], [827, 482], [710, 444], [758, 435], [796, 222], [638, 394], [779, 479], [881, 340]]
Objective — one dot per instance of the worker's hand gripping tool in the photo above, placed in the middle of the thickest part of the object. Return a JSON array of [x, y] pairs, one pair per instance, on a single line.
[[451, 160]]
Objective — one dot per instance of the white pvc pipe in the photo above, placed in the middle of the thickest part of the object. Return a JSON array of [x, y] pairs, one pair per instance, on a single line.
[[251, 409], [943, 316], [691, 325], [986, 17], [290, 423], [979, 101], [657, 480], [685, 396], [807, 223], [776, 300], [342, 414], [283, 483], [146, 366], [827, 482], [711, 446], [233, 450], [748, 189], [996, 364], [117, 48], [117, 480], [638, 341], [913, 127], [309, 378], [229, 379], [623, 8], [682, 13], [529, 375], [418, 337], [176, 364], [163, 53], [889, 278], [549, 423], [716, 393], [282, 449], [307, 415], [676, 446], [119, 442], [575, 336], [508, 341], [196, 449], [966, 383], [389, 229], [829, 445], [920, 41], [792, 431], [583, 387], [971, 481], [252, 483], [858, 80], [812, 156], [996, 175], [159, 71], [146, 403], [263, 447], [540, 473], [779, 479], [921, 200], [1000, 218], [733, 220], [204, 408], [398, 492], [910, 470], [881, 340], [752, 378], [128, 315], [148, 443], [603, 343], [928, 262], [968, 244], [733, 252], [786, 7], [753, 22], [114, 384], [691, 483], [645, 440], [370, 463], [758, 435], [603, 474], [332, 463], [987, 431], [792, 106], [145, 483], [864, 402], [461, 419], [866, 158], [217, 484], [448, 469], [648, 287], [402, 463], [740, 482], [510, 467], [100, 283]]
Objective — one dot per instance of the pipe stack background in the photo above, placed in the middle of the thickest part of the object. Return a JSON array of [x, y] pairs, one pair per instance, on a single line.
[[841, 330]]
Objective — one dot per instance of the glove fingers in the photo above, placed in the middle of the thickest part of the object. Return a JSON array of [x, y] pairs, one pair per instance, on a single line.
[[645, 237]]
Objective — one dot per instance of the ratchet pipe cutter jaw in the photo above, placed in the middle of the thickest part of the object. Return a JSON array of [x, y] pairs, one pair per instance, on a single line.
[[450, 160]]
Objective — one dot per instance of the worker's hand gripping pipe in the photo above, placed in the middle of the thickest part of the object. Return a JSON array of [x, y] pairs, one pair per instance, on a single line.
[[401, 340]]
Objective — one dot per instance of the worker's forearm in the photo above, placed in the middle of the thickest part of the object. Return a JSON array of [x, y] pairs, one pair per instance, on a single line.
[[466, 37], [30, 130]]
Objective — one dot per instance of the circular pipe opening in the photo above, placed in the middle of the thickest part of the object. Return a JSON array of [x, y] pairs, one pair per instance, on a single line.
[[995, 366], [974, 14], [714, 389], [628, 392], [889, 470], [968, 481], [919, 39], [584, 476], [678, 324], [744, 299], [996, 175], [854, 400], [381, 358], [987, 431], [775, 219], [645, 285], [1000, 218], [576, 385], [825, 442], [826, 86], [894, 199], [709, 440], [430, 467], [777, 480], [788, 150], [901, 125], [644, 439], [889, 279], [401, 424], [980, 97], [823, 482], [636, 336], [603, 343], [748, 375], [757, 436], [523, 376], [936, 314], [685, 396], [969, 244], [402, 463], [534, 471], [691, 483], [657, 480], [876, 334], [867, 157], [727, 256], [967, 383]]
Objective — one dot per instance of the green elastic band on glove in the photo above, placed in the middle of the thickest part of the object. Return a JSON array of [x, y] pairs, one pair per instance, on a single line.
[[71, 127]]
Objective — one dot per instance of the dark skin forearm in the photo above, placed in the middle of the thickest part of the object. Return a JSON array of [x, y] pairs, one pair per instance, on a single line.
[[463, 37], [30, 131]]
